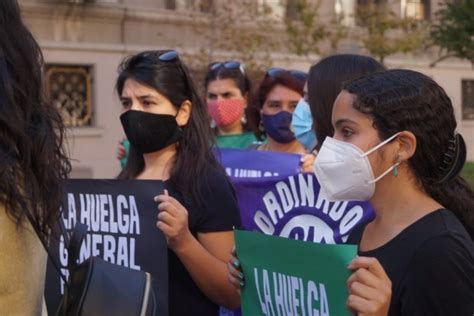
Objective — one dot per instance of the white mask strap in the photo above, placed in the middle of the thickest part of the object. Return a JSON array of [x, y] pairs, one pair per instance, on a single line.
[[385, 173], [380, 145]]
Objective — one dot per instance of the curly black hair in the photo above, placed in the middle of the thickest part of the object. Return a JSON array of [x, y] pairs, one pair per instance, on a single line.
[[405, 100]]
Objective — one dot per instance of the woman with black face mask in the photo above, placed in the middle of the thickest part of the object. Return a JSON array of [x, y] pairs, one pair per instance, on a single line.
[[170, 140]]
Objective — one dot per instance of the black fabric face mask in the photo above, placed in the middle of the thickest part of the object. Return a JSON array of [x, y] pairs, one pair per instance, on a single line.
[[149, 132]]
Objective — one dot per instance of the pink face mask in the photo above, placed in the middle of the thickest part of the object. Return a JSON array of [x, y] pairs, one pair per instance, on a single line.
[[226, 112]]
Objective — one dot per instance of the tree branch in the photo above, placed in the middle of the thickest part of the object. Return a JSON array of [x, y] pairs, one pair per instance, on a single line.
[[441, 59]]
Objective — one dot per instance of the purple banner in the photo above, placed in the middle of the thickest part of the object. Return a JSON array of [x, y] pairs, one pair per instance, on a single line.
[[248, 163], [274, 198], [295, 207], [277, 200]]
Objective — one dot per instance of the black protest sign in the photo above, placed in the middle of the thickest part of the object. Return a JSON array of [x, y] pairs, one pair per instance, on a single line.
[[121, 216]]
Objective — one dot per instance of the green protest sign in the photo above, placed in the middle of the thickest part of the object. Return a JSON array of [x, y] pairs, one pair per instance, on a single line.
[[290, 277]]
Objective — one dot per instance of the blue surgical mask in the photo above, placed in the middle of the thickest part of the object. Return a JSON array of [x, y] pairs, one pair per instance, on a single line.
[[277, 126], [302, 125]]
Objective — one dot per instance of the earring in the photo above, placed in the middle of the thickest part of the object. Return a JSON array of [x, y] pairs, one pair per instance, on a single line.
[[260, 127], [395, 168], [243, 120]]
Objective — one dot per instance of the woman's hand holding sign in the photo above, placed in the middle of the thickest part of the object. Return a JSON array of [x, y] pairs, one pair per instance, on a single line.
[[235, 275], [370, 289], [203, 256], [307, 162], [172, 221]]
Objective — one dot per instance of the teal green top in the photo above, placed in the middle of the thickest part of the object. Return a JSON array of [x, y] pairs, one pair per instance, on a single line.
[[244, 140], [125, 144]]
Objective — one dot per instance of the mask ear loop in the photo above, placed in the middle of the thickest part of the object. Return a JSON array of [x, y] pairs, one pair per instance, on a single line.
[[394, 167], [385, 173], [380, 145]]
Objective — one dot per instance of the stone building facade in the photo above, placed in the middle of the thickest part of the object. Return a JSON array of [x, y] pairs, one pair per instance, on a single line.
[[83, 42]]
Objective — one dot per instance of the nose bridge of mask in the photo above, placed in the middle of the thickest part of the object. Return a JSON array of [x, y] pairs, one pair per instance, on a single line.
[[342, 147], [282, 117], [336, 151]]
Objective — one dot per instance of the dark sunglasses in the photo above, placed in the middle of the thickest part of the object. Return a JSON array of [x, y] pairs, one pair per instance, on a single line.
[[230, 64], [297, 74]]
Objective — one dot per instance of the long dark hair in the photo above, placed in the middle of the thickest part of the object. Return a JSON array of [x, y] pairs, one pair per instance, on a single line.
[[325, 82], [266, 85], [405, 100], [171, 79], [33, 163]]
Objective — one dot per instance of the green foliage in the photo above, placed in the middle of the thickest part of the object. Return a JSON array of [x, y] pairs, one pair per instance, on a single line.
[[468, 173], [384, 33], [243, 30], [307, 31], [454, 32], [338, 31]]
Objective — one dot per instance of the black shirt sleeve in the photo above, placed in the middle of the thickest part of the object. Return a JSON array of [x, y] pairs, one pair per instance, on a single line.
[[220, 211], [440, 280]]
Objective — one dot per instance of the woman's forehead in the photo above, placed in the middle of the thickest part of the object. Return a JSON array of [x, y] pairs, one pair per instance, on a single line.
[[221, 85], [343, 108], [282, 93], [134, 88]]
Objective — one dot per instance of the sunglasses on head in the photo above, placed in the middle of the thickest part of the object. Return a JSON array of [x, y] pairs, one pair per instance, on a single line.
[[170, 55], [230, 64], [297, 74]]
